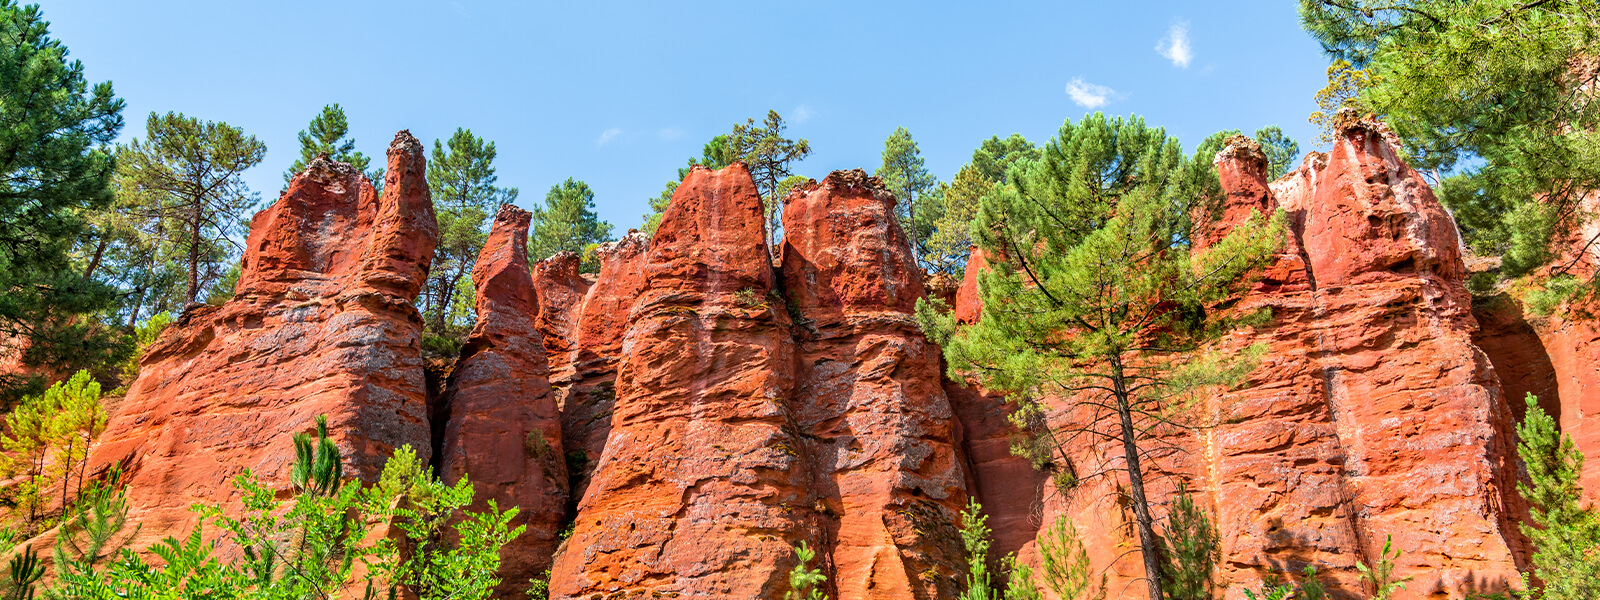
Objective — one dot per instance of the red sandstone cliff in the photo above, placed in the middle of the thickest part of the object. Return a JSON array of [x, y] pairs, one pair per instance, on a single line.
[[701, 488], [321, 324], [501, 428], [880, 434]]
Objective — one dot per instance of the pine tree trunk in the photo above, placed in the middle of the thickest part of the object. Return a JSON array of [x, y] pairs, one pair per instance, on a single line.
[[1149, 545], [94, 261], [194, 252]]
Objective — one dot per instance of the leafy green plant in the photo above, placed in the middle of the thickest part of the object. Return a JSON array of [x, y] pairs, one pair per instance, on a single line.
[[1565, 533], [1381, 575], [803, 578], [1271, 591], [23, 572], [94, 532], [1065, 561], [1193, 550], [1019, 580], [975, 538]]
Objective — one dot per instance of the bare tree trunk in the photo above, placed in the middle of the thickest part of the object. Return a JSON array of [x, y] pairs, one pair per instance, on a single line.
[[194, 252], [94, 261], [1149, 545]]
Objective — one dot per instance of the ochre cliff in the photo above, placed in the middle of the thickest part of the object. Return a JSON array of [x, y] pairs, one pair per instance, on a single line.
[[715, 409], [501, 429], [321, 324], [701, 488], [881, 437]]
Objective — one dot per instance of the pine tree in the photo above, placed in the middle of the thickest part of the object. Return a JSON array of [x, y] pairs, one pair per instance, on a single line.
[[567, 222], [949, 240], [1565, 534], [906, 174], [461, 175], [1193, 549], [1095, 298], [326, 135], [770, 158], [1281, 150], [186, 178], [53, 171], [79, 418], [1501, 89]]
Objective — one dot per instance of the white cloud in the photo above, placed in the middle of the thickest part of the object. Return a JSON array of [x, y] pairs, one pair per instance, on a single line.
[[802, 113], [668, 134], [1088, 95], [607, 135], [1176, 45]]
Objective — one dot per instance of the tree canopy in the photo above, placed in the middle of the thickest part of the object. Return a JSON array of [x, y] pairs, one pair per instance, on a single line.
[[567, 222]]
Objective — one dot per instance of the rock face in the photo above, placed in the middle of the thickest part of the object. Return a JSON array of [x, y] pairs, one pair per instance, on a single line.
[[588, 386], [321, 324], [1373, 413], [502, 430], [880, 433], [701, 488], [560, 291]]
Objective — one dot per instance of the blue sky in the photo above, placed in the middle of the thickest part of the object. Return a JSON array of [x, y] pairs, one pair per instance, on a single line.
[[618, 94]]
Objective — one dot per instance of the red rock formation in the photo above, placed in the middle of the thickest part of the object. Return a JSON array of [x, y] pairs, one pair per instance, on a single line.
[[878, 428], [560, 290], [322, 324], [588, 386], [701, 489], [502, 430], [1373, 413]]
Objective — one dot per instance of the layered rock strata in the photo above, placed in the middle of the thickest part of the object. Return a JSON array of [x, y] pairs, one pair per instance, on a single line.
[[701, 489], [880, 433], [502, 430], [321, 324]]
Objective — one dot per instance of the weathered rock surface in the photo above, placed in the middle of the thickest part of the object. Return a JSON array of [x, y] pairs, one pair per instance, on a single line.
[[588, 386], [1373, 413], [701, 489], [560, 290], [502, 430], [880, 433], [322, 324]]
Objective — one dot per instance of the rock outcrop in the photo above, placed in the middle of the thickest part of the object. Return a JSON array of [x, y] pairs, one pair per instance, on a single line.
[[880, 434], [701, 489], [502, 430], [321, 324], [560, 290], [588, 387], [1373, 414]]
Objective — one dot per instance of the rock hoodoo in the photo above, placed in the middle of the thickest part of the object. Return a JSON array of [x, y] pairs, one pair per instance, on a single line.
[[321, 324], [714, 410], [879, 432], [501, 428], [701, 488]]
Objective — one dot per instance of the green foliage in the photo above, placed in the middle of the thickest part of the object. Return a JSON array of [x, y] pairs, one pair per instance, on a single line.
[[1281, 150], [95, 531], [1019, 580], [956, 203], [1065, 562], [51, 176], [1096, 296], [306, 547], [1380, 576], [1272, 591], [905, 173], [1345, 83], [1556, 291], [185, 183], [461, 175], [23, 573], [1193, 550], [770, 158], [429, 513], [975, 539], [58, 425], [317, 468], [1565, 534], [567, 223], [1501, 83], [326, 136], [804, 580]]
